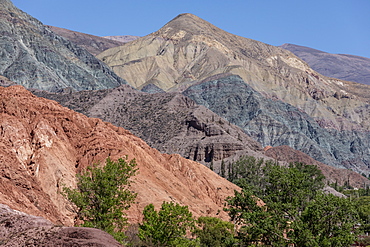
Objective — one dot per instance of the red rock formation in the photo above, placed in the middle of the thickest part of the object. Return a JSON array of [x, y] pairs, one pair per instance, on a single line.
[[43, 145]]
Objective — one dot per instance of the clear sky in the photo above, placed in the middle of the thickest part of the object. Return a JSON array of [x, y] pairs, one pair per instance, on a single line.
[[335, 26]]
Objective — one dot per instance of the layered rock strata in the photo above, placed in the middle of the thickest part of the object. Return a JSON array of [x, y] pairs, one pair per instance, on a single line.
[[275, 123]]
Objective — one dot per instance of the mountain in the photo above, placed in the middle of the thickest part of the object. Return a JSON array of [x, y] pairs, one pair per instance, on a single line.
[[43, 145], [93, 44], [341, 66], [189, 49], [35, 57], [122, 38], [275, 123], [20, 229]]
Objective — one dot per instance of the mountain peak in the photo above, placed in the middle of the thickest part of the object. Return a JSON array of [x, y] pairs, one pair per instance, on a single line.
[[189, 23]]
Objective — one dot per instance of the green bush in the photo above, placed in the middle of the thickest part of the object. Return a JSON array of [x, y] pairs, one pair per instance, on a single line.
[[102, 195], [167, 227]]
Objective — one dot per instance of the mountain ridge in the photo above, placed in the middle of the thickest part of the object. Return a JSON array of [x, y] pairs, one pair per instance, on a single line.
[[35, 57]]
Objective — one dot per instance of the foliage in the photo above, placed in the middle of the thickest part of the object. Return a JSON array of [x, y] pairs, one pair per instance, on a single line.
[[214, 232], [257, 224], [294, 211], [168, 226], [363, 209], [327, 220], [102, 195], [246, 170]]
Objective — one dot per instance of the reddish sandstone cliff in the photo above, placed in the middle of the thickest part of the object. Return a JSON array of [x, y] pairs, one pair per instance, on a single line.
[[43, 145]]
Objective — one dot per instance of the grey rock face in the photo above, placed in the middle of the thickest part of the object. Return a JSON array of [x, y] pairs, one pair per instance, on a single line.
[[33, 56], [341, 66], [274, 123]]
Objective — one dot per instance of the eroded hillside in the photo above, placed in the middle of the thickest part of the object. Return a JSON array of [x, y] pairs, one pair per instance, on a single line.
[[43, 145]]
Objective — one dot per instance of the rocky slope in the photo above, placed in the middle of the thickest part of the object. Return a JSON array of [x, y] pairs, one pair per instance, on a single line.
[[43, 145], [35, 57], [274, 123], [190, 49], [169, 122], [341, 66], [93, 44], [20, 229]]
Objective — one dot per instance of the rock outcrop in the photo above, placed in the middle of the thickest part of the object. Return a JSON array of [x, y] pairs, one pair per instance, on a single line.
[[341, 66], [43, 145], [20, 229], [35, 57], [274, 123], [91, 43]]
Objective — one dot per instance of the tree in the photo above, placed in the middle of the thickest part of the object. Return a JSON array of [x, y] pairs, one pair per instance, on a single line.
[[214, 232], [327, 220], [294, 209], [363, 209], [102, 194], [247, 171], [168, 226], [256, 223]]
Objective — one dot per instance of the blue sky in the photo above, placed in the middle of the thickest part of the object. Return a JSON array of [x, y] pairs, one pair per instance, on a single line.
[[340, 26]]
